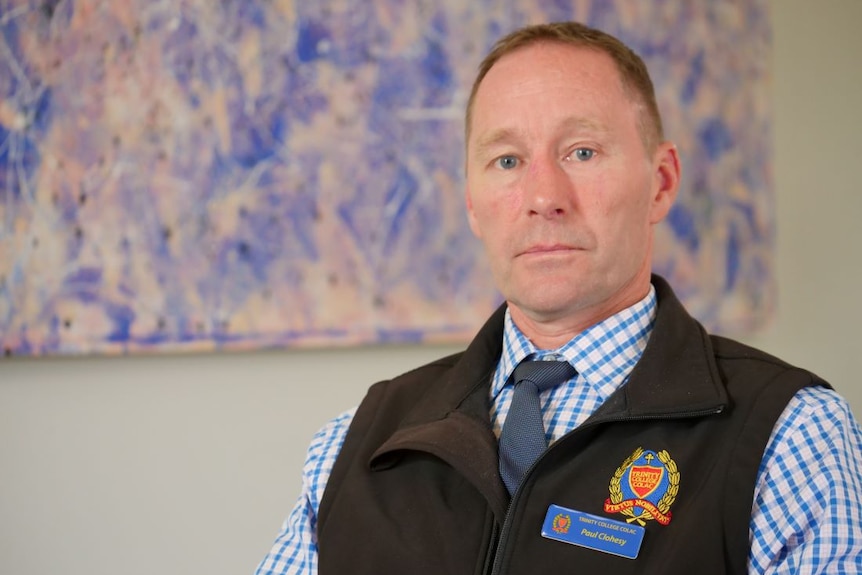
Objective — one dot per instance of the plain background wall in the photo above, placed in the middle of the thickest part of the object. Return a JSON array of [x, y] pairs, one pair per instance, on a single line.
[[188, 464]]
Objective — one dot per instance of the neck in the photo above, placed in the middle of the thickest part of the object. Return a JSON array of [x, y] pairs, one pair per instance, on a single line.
[[553, 331]]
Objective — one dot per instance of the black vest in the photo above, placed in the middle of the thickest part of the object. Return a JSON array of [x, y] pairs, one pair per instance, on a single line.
[[416, 488]]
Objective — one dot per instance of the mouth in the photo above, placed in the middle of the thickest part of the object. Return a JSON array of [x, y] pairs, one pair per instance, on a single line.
[[548, 249]]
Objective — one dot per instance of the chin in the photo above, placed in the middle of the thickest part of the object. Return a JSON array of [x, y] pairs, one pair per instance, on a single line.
[[549, 303]]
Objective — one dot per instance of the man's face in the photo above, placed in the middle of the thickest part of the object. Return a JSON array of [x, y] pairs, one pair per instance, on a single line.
[[560, 187]]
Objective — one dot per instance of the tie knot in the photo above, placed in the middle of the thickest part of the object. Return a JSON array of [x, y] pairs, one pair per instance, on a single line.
[[544, 374]]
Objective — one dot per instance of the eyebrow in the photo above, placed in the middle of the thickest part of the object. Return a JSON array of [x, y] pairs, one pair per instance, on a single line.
[[505, 135], [495, 138]]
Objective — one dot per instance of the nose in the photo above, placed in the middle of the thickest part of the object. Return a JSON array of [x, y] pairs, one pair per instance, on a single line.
[[548, 191]]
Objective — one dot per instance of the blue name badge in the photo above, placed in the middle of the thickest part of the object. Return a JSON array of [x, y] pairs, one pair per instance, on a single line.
[[593, 532]]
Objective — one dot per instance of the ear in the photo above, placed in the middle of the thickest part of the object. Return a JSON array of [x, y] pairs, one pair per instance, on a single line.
[[471, 215], [666, 177]]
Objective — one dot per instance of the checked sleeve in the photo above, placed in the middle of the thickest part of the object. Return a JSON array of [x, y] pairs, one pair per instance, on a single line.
[[807, 512], [295, 549]]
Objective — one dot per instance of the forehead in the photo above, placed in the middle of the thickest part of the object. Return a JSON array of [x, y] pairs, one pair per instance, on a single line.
[[546, 79]]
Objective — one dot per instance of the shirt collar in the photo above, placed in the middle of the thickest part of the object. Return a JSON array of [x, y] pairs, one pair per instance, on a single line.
[[603, 354]]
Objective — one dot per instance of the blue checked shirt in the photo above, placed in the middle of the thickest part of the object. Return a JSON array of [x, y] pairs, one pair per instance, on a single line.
[[807, 512]]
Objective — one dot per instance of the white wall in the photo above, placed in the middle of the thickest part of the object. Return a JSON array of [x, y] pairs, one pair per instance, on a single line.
[[187, 464], [818, 156]]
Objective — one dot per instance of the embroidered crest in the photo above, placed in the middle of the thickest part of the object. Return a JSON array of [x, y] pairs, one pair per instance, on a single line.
[[644, 487], [561, 523]]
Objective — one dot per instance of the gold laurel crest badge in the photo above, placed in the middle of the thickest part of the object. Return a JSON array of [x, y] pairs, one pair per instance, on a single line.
[[644, 487], [562, 523]]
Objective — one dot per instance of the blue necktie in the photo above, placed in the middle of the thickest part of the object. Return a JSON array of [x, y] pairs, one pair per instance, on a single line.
[[523, 440]]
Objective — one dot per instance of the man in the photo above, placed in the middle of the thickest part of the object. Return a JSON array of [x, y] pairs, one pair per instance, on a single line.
[[671, 451]]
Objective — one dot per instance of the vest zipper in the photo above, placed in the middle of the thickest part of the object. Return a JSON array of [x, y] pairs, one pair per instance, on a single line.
[[502, 536]]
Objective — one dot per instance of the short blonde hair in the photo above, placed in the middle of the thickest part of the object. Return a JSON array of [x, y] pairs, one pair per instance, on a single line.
[[634, 75]]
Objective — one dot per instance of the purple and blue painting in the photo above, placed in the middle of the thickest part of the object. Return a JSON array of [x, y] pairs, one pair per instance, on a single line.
[[194, 175]]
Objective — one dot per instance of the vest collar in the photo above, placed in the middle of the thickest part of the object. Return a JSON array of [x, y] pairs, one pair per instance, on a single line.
[[676, 376], [677, 373]]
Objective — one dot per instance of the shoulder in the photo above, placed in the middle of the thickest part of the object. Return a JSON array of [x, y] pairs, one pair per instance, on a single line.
[[322, 453], [397, 394], [727, 349], [808, 500], [745, 367], [418, 375], [816, 421], [816, 443]]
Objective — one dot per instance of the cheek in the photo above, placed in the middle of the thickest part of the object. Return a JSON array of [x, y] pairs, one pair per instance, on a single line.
[[492, 207], [507, 206], [623, 218], [494, 221]]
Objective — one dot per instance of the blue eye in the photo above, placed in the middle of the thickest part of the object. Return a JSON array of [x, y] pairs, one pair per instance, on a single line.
[[583, 154], [507, 162]]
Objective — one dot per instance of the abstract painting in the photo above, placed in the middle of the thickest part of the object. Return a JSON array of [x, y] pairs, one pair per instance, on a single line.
[[190, 175]]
